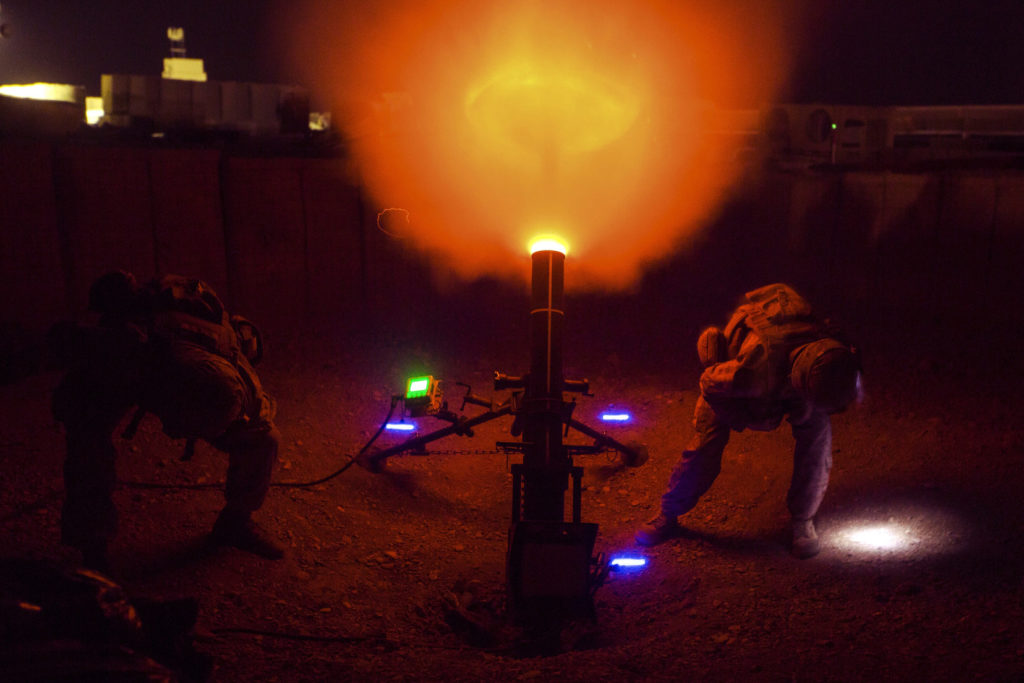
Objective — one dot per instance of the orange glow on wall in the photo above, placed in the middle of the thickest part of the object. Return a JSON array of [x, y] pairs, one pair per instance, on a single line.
[[486, 119]]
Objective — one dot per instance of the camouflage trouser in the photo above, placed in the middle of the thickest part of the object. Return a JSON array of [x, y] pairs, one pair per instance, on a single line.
[[252, 451], [89, 518], [701, 463]]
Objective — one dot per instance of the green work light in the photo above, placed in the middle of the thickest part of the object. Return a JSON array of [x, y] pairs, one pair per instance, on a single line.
[[419, 387]]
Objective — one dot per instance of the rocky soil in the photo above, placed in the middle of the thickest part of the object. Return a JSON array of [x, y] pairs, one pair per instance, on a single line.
[[400, 575]]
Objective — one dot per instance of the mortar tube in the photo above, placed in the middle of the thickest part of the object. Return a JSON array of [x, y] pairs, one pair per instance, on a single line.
[[545, 461]]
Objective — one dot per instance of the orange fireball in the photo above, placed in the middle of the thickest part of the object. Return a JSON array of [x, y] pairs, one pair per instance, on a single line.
[[486, 119]]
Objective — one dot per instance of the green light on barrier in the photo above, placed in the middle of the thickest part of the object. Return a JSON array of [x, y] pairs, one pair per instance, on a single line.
[[418, 387]]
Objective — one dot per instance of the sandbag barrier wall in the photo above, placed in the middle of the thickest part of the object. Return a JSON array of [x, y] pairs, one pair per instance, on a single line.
[[282, 240], [929, 249], [939, 247], [292, 242]]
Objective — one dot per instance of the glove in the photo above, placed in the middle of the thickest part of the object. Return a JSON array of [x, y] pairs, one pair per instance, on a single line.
[[250, 339]]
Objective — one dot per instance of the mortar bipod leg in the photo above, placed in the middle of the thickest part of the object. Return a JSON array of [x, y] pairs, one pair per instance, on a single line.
[[633, 455]]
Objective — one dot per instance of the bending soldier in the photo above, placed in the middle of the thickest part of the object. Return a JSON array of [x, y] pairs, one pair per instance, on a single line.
[[774, 359], [170, 349]]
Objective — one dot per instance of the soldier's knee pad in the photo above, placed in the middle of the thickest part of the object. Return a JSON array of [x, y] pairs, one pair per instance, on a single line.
[[712, 347]]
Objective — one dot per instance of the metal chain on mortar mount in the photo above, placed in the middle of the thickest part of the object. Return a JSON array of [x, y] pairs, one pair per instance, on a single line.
[[468, 451], [492, 451]]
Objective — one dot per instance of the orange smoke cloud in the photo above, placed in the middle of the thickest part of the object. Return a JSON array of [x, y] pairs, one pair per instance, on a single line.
[[492, 122]]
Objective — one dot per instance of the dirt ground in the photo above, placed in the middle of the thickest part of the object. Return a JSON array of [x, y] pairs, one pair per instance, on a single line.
[[400, 575]]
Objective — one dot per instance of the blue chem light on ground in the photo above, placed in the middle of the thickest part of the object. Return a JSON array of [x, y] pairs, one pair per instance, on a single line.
[[616, 417], [400, 427], [628, 563]]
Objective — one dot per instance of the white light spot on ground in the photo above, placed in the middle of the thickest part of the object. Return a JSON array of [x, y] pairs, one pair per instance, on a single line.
[[879, 537], [901, 531]]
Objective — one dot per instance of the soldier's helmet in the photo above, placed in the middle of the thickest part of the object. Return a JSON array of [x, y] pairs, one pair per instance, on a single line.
[[826, 373], [114, 293]]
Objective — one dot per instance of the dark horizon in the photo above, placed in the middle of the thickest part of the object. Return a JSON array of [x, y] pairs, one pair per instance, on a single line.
[[868, 53]]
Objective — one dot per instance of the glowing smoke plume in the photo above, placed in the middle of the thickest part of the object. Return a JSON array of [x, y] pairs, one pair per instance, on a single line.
[[491, 122]]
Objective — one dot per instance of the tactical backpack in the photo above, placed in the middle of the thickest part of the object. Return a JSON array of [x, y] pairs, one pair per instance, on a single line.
[[199, 382], [777, 314]]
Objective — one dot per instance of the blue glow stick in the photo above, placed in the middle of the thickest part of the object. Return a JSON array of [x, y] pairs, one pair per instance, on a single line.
[[628, 562]]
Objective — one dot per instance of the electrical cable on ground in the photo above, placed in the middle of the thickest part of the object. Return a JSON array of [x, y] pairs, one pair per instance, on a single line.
[[280, 484]]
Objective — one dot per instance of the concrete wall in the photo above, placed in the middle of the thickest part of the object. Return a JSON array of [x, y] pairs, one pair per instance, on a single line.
[[291, 241]]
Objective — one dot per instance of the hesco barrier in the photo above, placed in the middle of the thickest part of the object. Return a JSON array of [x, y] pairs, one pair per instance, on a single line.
[[292, 241], [31, 275]]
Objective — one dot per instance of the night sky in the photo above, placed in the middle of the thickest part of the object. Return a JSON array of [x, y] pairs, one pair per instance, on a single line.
[[911, 52]]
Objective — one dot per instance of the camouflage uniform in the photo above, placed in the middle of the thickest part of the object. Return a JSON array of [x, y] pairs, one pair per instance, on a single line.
[[748, 387], [175, 353]]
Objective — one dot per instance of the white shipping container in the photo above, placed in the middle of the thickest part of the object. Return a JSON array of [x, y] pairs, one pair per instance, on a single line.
[[144, 96], [115, 90], [206, 103], [266, 100], [236, 104], [175, 103]]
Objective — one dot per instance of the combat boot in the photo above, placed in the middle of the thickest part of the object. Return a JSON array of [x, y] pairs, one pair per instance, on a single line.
[[658, 530], [805, 539], [239, 531]]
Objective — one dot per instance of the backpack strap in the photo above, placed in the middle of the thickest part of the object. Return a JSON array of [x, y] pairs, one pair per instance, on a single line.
[[187, 309], [177, 326]]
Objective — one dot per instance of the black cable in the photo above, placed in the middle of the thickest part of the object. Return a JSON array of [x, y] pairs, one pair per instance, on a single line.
[[303, 484], [383, 425], [283, 484]]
